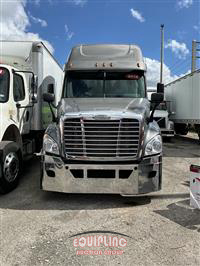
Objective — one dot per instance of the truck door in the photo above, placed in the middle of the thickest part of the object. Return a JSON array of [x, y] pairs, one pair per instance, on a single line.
[[21, 99]]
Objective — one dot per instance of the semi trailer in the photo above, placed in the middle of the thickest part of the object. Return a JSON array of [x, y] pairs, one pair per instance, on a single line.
[[184, 96], [27, 70], [103, 139]]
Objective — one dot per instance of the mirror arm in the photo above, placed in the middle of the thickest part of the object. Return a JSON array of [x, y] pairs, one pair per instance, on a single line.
[[152, 112], [23, 71], [18, 105], [54, 106], [52, 112]]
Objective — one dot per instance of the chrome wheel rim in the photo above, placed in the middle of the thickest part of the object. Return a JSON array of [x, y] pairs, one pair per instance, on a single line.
[[11, 167]]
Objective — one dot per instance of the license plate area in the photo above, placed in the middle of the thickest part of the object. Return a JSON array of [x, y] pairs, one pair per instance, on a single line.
[[100, 173]]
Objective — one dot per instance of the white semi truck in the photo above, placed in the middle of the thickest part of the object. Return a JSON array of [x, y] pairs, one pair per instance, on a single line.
[[184, 96], [104, 140], [27, 70]]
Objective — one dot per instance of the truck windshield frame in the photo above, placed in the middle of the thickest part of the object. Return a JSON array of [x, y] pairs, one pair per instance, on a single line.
[[104, 84], [4, 84]]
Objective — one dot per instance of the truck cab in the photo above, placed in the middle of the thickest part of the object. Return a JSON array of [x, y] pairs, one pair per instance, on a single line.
[[27, 69], [15, 122], [104, 139], [162, 117], [14, 93]]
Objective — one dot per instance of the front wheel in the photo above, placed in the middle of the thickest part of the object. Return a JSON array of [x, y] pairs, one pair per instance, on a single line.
[[10, 166]]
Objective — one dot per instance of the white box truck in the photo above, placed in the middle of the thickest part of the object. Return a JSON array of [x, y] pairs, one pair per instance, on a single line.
[[162, 117], [105, 139], [27, 70], [184, 95]]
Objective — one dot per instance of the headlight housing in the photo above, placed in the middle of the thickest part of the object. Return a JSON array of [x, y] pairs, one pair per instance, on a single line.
[[50, 145], [171, 125], [154, 146]]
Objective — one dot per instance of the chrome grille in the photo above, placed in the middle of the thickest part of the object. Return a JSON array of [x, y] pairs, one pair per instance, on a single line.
[[101, 138]]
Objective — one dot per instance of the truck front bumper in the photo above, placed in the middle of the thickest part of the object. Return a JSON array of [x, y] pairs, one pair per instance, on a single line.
[[124, 179], [167, 133]]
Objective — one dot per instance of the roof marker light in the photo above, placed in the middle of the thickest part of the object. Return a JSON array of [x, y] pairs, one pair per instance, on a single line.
[[194, 168], [1, 71]]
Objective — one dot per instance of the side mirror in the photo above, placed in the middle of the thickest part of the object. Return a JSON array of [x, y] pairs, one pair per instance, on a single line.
[[48, 97], [157, 97], [33, 98], [34, 83], [50, 88], [160, 87]]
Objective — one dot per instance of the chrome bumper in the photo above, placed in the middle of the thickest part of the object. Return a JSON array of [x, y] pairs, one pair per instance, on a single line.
[[144, 177]]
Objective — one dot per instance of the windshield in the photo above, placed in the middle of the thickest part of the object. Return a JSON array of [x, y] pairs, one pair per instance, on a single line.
[[4, 84], [162, 106], [104, 84]]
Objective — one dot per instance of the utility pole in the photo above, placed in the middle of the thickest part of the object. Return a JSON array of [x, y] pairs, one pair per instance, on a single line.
[[161, 52], [195, 50]]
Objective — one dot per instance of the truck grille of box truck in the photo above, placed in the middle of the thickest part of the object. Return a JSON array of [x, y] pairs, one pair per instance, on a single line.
[[160, 121], [101, 138]]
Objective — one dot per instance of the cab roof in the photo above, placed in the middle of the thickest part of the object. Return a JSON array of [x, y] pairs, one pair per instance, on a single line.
[[106, 56]]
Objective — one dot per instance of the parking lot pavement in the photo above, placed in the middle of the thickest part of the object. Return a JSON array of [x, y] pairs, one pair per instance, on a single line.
[[160, 229]]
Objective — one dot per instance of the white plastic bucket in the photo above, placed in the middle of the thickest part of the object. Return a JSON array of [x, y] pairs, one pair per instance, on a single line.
[[195, 186]]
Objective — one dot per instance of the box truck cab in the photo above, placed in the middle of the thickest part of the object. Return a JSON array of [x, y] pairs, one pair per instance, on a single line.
[[104, 139], [27, 70], [162, 117]]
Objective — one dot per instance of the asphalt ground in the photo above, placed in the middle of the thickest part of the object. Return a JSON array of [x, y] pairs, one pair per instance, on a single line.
[[38, 228]]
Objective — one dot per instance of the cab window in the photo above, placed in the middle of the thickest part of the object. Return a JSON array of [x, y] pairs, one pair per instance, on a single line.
[[4, 84], [18, 88]]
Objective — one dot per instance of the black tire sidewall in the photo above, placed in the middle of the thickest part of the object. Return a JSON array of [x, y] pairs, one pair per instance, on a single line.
[[6, 186]]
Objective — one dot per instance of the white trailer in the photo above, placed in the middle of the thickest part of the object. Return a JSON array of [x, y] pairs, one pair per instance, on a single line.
[[27, 70], [184, 95]]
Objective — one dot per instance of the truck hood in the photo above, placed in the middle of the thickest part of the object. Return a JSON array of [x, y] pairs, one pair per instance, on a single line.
[[161, 113], [104, 106]]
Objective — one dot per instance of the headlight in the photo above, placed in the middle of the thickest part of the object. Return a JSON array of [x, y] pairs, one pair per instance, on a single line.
[[171, 125], [154, 146], [49, 145]]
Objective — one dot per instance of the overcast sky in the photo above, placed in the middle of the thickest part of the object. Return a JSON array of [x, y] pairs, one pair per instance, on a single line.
[[62, 24]]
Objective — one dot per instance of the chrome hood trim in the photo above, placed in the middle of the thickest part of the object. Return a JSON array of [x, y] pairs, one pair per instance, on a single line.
[[113, 107]]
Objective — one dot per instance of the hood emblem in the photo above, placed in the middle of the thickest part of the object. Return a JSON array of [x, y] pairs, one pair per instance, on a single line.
[[101, 117]]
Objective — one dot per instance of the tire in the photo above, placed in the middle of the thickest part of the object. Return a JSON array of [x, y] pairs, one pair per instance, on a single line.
[[11, 165], [167, 139], [197, 129], [181, 129]]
